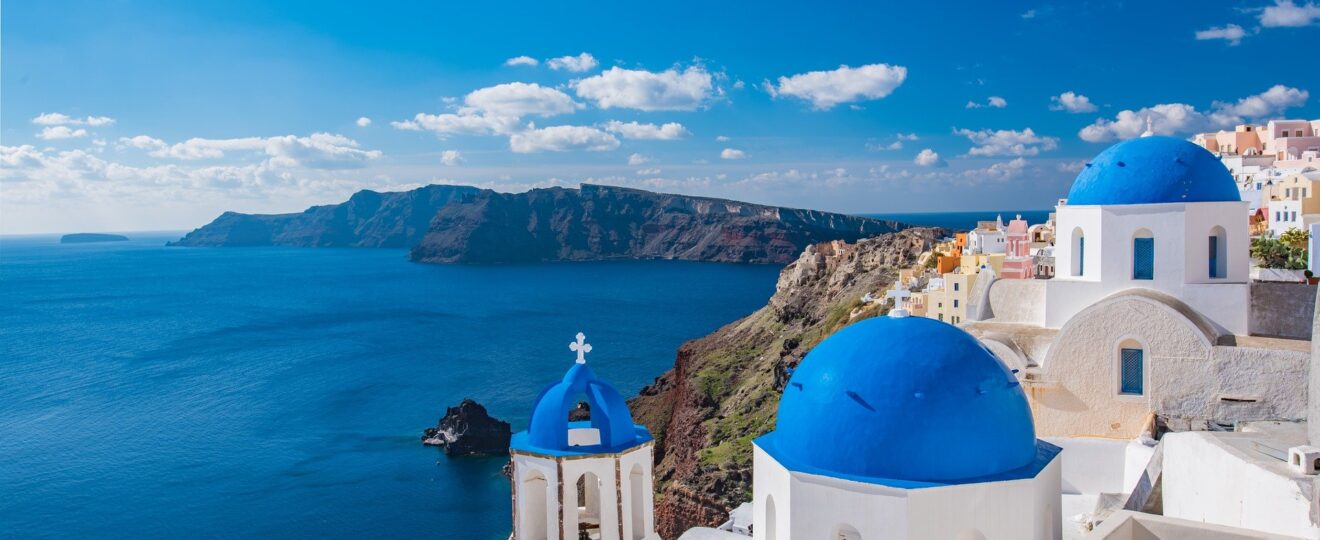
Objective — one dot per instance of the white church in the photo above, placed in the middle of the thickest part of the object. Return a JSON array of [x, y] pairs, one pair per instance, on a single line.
[[1138, 379]]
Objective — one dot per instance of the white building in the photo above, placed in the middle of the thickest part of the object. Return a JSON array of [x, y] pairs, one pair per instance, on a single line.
[[592, 476], [904, 427], [987, 237]]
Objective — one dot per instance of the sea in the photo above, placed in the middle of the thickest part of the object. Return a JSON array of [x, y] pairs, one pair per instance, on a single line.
[[166, 392]]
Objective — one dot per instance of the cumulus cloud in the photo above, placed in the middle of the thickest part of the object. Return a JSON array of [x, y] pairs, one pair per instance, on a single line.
[[521, 61], [1003, 170], [59, 119], [519, 99], [648, 172], [1231, 33], [638, 159], [722, 138], [562, 138], [576, 64], [1181, 118], [929, 158], [1285, 13], [993, 102], [635, 130], [825, 89], [1007, 142], [732, 153], [460, 124], [51, 133], [1072, 102], [669, 90], [317, 151], [451, 157], [363, 121]]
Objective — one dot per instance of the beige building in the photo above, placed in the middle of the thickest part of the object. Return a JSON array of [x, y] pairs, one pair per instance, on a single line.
[[1295, 204]]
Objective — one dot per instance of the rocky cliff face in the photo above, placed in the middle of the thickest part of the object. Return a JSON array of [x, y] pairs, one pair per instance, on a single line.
[[468, 430], [724, 388], [601, 222], [367, 219]]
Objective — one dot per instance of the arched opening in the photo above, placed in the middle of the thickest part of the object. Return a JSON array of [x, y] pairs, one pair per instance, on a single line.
[[588, 505], [1131, 368], [532, 507], [1143, 255], [1078, 261], [580, 430], [637, 501], [846, 532], [1217, 257], [770, 521]]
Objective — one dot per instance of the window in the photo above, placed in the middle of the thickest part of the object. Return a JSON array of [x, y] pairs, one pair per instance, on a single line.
[[1143, 256], [1132, 374], [1078, 252], [955, 304], [941, 317], [955, 286]]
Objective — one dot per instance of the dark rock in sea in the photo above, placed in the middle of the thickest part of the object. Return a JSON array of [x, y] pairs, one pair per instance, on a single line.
[[87, 238], [467, 430], [459, 224], [579, 413]]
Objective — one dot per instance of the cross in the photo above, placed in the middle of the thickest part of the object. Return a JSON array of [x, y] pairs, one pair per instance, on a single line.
[[900, 295], [581, 347]]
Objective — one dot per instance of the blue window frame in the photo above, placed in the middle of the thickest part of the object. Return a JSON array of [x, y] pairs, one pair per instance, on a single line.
[[1214, 257], [1081, 255], [1143, 258], [1132, 373]]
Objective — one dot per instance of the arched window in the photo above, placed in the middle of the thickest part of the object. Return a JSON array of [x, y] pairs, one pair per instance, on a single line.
[[638, 502], [588, 504], [770, 524], [1131, 368], [532, 507], [1078, 252], [1143, 255], [846, 532], [1217, 257]]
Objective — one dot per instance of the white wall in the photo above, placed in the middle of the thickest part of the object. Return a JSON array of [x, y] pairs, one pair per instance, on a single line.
[[614, 474], [1094, 465]]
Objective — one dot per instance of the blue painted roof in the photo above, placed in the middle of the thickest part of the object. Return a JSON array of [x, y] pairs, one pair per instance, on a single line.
[[904, 401], [1151, 170], [547, 433]]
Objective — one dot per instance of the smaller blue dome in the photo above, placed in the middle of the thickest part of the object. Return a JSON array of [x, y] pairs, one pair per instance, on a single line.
[[1153, 170], [547, 432], [903, 400]]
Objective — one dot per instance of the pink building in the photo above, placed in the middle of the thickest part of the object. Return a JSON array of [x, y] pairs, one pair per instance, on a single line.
[[1017, 251]]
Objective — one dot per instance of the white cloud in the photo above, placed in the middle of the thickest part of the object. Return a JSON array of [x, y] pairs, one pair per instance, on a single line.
[[1231, 33], [363, 121], [519, 99], [1029, 14], [576, 64], [451, 157], [59, 119], [1007, 142], [722, 138], [1003, 170], [907, 137], [993, 102], [51, 133], [648, 172], [142, 142], [1072, 102], [825, 89], [669, 90], [562, 138], [460, 124], [1071, 166], [929, 158], [317, 151], [634, 130], [521, 61], [732, 153], [1287, 13], [1181, 118], [638, 159]]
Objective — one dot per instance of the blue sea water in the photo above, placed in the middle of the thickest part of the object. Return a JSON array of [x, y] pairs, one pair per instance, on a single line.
[[154, 392]]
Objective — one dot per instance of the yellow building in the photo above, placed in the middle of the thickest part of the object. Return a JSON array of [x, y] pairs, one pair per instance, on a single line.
[[971, 263], [948, 302]]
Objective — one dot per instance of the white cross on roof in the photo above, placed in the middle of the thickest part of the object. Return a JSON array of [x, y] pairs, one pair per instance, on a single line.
[[581, 347]]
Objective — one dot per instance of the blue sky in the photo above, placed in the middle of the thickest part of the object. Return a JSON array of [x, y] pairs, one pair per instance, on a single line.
[[160, 115]]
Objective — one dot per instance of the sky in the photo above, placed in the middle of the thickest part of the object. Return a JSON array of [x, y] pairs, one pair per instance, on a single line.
[[136, 115]]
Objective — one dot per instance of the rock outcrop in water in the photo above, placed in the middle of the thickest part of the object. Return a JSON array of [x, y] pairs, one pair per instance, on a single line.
[[468, 430], [454, 224], [724, 388], [87, 238]]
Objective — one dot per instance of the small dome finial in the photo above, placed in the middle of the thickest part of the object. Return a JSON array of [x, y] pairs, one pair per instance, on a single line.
[[581, 347], [1148, 131]]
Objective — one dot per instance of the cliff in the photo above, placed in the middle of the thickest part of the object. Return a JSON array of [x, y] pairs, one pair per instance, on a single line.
[[87, 238], [449, 224], [468, 430], [601, 222], [724, 388], [367, 219]]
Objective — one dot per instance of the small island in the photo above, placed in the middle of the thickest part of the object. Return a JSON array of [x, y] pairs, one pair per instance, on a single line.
[[87, 238]]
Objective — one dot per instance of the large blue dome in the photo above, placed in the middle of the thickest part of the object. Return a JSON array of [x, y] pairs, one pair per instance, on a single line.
[[906, 399], [1151, 170]]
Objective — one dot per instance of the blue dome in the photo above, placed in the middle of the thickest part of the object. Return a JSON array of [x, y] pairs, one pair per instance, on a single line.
[[1151, 170], [547, 432], [903, 399]]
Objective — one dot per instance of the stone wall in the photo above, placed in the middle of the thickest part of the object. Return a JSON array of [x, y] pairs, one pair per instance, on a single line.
[[1282, 309]]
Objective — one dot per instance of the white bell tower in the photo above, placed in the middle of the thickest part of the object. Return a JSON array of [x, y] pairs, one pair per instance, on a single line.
[[582, 479]]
